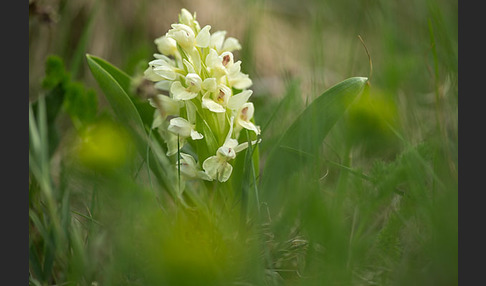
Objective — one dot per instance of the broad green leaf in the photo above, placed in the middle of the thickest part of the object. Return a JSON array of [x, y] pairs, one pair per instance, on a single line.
[[115, 85], [145, 111], [300, 144], [120, 76]]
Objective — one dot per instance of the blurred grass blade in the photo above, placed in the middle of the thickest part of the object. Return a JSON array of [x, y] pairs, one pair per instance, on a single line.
[[83, 41], [34, 136], [35, 265], [308, 131], [38, 150]]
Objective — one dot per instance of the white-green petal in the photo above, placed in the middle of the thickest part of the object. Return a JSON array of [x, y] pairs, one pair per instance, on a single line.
[[203, 175], [161, 60], [249, 111], [189, 67], [211, 166], [210, 84], [172, 143], [241, 81], [183, 35], [167, 105], [212, 60], [165, 72], [217, 39], [153, 103], [203, 37], [179, 92], [165, 64], [158, 120], [217, 168], [163, 85], [238, 79], [151, 75], [244, 115], [188, 159], [224, 172], [244, 145], [237, 100], [180, 126], [196, 135], [230, 142], [227, 93], [197, 27], [231, 44], [185, 17], [182, 27], [166, 45], [193, 82], [249, 125], [195, 59], [183, 128], [182, 38], [211, 104], [234, 69], [187, 165], [228, 151]]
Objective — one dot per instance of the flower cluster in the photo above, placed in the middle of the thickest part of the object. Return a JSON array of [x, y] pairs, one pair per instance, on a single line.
[[206, 97]]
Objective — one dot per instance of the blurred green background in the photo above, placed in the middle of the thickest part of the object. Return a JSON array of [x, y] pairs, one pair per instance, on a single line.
[[378, 206]]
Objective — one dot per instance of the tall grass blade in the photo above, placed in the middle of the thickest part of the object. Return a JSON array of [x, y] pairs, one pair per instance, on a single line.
[[83, 42]]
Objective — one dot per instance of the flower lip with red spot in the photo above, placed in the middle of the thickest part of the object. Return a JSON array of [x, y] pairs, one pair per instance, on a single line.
[[226, 60], [217, 101], [221, 95], [243, 114]]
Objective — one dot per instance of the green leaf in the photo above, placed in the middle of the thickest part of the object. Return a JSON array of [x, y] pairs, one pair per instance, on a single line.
[[35, 264], [144, 110], [116, 87], [300, 144]]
